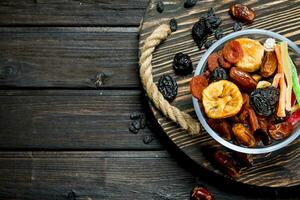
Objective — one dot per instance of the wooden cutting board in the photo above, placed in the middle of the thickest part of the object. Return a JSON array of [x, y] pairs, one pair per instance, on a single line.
[[278, 169]]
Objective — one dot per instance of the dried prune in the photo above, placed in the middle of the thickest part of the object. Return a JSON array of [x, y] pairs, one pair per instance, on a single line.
[[147, 139], [201, 193], [173, 25], [219, 33], [199, 32], [242, 13], [182, 64], [135, 115], [160, 6], [168, 87], [190, 3], [264, 100], [197, 85], [208, 44], [218, 74], [237, 26], [133, 129]]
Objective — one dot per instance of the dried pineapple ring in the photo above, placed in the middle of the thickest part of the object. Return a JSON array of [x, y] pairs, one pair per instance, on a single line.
[[222, 99]]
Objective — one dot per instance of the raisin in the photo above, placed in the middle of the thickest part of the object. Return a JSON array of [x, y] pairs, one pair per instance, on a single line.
[[160, 6], [182, 64], [219, 33], [168, 87], [210, 12], [237, 26], [208, 43], [190, 3], [264, 100], [133, 129], [199, 32], [135, 115], [218, 74], [136, 124], [147, 139], [173, 25]]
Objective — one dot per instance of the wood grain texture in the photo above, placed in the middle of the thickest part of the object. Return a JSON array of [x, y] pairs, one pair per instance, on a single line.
[[71, 119], [278, 16], [68, 57], [71, 12], [107, 175]]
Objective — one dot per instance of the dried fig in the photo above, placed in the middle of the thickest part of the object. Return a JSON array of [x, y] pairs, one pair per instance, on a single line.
[[281, 130], [232, 51], [212, 61], [242, 13], [243, 135], [197, 85], [269, 64], [242, 79]]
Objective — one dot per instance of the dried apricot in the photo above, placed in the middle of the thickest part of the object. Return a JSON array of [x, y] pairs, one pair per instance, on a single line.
[[212, 61], [232, 51], [197, 85]]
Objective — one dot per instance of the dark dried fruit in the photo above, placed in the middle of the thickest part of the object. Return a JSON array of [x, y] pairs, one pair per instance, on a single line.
[[182, 64], [218, 74], [212, 61], [136, 124], [253, 121], [199, 32], [147, 139], [222, 127], [269, 64], [219, 33], [160, 6], [133, 129], [226, 163], [280, 131], [168, 87], [208, 44], [243, 135], [143, 122], [263, 136], [232, 51], [244, 160], [210, 13], [237, 26], [190, 3], [197, 85], [201, 193], [173, 25], [242, 79], [242, 13], [264, 100], [135, 115]]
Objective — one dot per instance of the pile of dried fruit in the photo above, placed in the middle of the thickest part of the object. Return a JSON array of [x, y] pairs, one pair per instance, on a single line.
[[237, 98]]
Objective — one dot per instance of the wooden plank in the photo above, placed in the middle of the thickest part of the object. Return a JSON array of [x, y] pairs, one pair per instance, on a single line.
[[71, 12], [68, 57], [109, 175], [71, 119]]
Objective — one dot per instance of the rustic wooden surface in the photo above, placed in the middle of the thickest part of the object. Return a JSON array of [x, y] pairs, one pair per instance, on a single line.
[[279, 169], [63, 135]]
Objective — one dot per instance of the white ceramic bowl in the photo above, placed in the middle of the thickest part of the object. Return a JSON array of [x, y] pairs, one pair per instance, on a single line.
[[255, 34]]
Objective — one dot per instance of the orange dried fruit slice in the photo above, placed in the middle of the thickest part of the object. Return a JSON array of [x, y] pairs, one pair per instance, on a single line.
[[222, 99]]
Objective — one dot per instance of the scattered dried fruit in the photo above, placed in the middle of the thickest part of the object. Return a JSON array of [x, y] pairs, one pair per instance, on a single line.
[[182, 64], [190, 3], [242, 79], [199, 32], [269, 64], [219, 33], [201, 193], [173, 25], [168, 87], [242, 13], [226, 163], [148, 139], [243, 135], [197, 85], [237, 26], [218, 74], [232, 51], [160, 6], [133, 129]]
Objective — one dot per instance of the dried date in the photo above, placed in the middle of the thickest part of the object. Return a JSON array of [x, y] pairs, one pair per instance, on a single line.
[[242, 13], [201, 193], [242, 79]]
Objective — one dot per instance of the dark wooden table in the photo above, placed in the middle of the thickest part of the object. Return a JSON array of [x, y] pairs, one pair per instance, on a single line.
[[69, 82]]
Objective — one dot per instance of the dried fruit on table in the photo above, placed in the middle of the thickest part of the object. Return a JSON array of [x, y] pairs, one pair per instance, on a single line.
[[280, 131], [264, 100], [243, 135], [201, 193], [245, 160], [182, 64], [218, 74], [232, 51], [221, 99], [222, 127], [160, 6], [269, 64], [242, 13], [226, 163], [197, 85], [190, 3], [212, 61], [242, 79], [199, 32], [219, 33], [167, 87], [173, 25], [253, 53], [237, 26]]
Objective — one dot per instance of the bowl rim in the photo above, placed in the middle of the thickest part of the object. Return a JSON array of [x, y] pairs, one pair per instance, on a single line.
[[199, 70]]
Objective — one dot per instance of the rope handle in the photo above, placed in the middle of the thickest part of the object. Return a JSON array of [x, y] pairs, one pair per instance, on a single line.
[[186, 121]]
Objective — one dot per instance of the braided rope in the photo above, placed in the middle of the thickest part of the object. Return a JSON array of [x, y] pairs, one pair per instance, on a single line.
[[183, 119]]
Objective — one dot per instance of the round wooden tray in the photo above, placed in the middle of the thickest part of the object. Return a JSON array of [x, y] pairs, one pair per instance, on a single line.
[[278, 169]]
